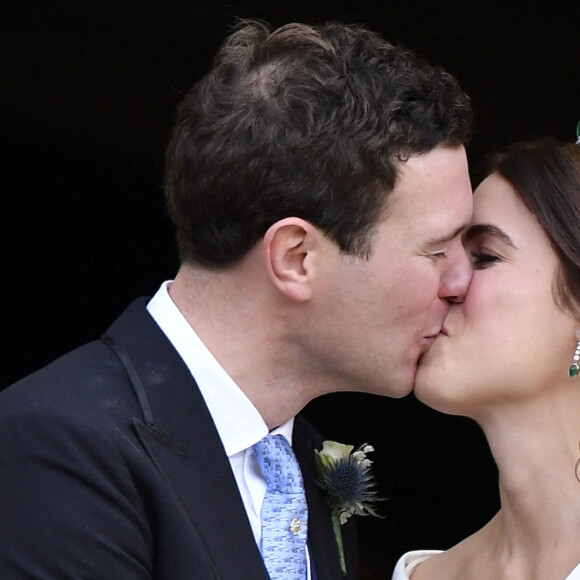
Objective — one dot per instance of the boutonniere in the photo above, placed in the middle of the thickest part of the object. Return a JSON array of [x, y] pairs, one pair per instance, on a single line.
[[346, 476]]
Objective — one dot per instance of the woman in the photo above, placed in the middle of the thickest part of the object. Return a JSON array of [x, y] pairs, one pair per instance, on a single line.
[[507, 357]]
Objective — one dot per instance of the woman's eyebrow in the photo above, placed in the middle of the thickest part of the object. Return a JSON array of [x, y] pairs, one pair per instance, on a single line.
[[479, 230]]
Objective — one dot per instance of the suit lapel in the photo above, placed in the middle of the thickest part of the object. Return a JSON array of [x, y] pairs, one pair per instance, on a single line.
[[321, 538], [182, 441]]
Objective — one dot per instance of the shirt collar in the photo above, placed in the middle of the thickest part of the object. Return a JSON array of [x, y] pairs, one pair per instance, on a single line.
[[237, 420]]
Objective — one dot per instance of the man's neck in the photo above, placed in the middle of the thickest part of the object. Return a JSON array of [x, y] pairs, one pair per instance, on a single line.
[[241, 321]]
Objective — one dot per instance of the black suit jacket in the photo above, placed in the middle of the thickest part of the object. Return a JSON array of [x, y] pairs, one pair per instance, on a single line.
[[111, 468]]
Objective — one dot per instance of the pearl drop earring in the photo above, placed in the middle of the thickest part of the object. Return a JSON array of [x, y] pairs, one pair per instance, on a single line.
[[574, 367]]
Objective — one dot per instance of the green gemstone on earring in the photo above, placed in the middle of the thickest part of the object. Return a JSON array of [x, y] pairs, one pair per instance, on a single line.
[[573, 370]]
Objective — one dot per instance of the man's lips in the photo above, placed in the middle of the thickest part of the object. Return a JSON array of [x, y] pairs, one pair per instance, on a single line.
[[433, 336], [429, 340]]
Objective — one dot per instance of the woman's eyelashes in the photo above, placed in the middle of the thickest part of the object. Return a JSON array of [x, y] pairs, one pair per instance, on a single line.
[[482, 259]]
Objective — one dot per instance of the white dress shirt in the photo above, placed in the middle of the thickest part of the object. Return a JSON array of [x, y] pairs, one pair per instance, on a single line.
[[238, 422]]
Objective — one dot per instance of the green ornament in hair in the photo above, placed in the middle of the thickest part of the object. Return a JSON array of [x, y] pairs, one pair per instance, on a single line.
[[578, 133]]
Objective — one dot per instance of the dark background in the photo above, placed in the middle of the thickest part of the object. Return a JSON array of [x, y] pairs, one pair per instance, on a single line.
[[88, 95]]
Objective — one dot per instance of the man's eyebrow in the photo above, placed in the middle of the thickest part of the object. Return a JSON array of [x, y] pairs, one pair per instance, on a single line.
[[447, 238], [480, 230]]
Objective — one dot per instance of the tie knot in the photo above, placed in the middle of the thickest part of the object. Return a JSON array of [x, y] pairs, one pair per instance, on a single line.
[[279, 464]]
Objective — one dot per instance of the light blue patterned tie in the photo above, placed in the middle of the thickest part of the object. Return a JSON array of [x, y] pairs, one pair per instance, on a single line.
[[284, 511]]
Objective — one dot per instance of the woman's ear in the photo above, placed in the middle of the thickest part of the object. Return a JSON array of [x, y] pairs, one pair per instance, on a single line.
[[289, 247]]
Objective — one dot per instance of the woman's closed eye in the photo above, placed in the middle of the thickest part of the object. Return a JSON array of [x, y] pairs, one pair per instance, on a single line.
[[482, 259]]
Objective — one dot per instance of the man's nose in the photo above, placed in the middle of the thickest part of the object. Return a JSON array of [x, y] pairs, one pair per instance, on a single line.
[[457, 278]]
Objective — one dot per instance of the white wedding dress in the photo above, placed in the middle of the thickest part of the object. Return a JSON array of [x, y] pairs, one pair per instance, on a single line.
[[409, 561]]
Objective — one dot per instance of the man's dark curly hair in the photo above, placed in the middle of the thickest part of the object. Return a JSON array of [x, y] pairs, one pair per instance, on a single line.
[[304, 121]]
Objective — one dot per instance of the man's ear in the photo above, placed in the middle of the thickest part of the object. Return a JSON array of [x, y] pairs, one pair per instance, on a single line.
[[289, 247]]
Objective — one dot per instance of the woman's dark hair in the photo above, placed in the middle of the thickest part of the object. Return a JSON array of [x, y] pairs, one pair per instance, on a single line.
[[546, 174], [304, 121]]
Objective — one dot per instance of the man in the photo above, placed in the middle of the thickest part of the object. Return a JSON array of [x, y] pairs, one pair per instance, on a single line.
[[318, 183]]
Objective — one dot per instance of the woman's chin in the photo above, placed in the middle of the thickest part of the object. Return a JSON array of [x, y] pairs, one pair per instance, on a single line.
[[432, 383], [428, 370], [425, 385]]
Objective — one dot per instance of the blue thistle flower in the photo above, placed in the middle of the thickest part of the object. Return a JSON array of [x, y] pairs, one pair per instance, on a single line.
[[346, 477]]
